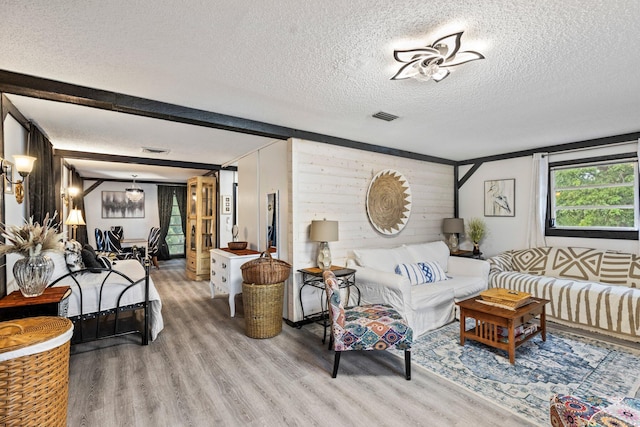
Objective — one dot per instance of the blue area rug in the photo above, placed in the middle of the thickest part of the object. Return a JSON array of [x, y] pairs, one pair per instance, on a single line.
[[566, 363]]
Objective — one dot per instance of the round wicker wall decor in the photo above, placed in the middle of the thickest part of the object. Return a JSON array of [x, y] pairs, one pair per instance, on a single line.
[[389, 201]]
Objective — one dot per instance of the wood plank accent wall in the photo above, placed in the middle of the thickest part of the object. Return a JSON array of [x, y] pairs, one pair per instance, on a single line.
[[331, 182]]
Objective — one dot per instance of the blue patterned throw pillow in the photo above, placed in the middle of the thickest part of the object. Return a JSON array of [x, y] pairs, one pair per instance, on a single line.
[[422, 272]]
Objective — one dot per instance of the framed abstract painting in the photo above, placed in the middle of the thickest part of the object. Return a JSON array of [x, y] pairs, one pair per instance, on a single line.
[[115, 204], [500, 197]]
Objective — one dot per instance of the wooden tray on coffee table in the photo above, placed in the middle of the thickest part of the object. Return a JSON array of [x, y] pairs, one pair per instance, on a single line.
[[490, 319]]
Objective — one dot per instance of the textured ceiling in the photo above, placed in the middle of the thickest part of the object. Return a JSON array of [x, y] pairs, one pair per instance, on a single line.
[[555, 71]]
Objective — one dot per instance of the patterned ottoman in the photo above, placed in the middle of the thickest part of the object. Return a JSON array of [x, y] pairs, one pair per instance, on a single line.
[[593, 411]]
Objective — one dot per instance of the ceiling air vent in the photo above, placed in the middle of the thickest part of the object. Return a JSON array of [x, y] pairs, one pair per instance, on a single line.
[[151, 150], [384, 116]]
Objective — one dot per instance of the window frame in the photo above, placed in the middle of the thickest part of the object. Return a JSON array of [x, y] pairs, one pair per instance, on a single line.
[[174, 205], [602, 233]]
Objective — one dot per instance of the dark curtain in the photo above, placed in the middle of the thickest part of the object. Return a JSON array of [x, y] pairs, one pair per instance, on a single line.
[[78, 203], [165, 203], [181, 197], [40, 183]]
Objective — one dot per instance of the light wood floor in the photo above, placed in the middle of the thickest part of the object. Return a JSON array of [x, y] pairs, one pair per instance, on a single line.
[[204, 371]]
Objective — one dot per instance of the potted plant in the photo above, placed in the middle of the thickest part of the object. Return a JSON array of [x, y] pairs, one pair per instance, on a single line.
[[33, 271], [476, 230]]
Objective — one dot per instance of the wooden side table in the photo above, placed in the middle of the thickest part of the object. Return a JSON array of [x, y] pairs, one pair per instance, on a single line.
[[466, 254], [53, 302]]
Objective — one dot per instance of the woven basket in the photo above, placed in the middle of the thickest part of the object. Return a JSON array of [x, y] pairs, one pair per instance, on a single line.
[[262, 309], [237, 246], [34, 371], [265, 270]]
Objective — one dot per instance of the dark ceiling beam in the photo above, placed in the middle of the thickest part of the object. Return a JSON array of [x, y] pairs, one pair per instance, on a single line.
[[83, 155], [9, 109], [578, 145], [138, 181], [52, 90]]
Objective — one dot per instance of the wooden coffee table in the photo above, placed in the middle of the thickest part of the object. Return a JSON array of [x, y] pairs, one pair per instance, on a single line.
[[488, 318]]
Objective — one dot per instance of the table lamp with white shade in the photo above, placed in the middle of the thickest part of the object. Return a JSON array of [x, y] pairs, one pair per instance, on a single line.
[[324, 232], [74, 220]]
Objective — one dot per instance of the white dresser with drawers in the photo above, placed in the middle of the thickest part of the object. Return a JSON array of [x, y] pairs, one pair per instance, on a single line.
[[226, 276]]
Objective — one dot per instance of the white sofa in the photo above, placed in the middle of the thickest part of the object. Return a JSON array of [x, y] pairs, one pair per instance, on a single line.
[[426, 306]]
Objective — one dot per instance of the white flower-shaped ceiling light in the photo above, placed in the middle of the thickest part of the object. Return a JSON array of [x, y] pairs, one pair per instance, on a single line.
[[432, 62]]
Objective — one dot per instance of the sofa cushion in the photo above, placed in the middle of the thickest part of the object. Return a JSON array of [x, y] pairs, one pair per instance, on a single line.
[[422, 272], [431, 251], [611, 308], [586, 264], [382, 259], [456, 289]]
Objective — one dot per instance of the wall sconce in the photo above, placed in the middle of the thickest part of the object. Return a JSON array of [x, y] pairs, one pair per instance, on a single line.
[[324, 232], [68, 194], [24, 166]]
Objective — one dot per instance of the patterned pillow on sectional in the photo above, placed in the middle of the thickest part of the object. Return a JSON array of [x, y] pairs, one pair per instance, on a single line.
[[422, 272]]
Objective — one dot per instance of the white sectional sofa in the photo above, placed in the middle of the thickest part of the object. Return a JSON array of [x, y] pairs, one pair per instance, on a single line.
[[425, 306]]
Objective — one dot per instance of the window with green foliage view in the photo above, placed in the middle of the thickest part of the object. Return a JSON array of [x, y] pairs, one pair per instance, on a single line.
[[175, 237], [595, 196]]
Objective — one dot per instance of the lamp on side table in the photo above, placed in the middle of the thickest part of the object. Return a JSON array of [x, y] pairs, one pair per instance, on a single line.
[[324, 232], [453, 227]]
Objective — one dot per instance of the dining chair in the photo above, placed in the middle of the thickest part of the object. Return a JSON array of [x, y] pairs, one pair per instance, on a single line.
[[99, 240], [153, 245]]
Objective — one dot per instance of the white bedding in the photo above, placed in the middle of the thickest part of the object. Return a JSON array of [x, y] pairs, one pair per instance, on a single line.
[[114, 286]]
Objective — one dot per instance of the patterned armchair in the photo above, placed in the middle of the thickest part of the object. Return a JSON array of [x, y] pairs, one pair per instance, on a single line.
[[366, 327]]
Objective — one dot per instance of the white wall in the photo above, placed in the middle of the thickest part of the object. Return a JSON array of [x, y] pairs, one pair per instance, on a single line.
[[249, 200], [134, 228], [331, 182], [507, 233], [504, 232], [226, 181], [317, 181], [15, 142]]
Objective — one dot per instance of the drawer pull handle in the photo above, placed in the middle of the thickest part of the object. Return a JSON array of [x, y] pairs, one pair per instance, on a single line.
[[213, 273], [213, 260], [224, 265], [224, 279]]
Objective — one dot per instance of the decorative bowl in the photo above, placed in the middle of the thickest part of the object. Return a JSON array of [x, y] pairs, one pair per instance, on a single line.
[[237, 246]]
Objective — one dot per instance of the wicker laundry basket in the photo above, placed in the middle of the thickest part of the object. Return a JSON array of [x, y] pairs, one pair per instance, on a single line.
[[34, 371], [262, 309]]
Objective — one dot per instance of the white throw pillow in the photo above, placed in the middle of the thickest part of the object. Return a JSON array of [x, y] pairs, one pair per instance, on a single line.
[[422, 272], [436, 251], [381, 259]]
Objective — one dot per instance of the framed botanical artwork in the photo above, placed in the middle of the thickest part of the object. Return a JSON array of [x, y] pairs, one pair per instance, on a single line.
[[8, 178], [500, 197], [115, 204]]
